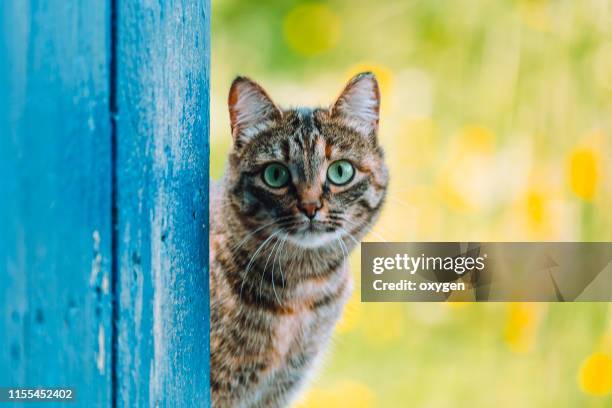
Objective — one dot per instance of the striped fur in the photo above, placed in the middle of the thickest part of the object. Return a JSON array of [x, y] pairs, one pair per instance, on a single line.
[[279, 280]]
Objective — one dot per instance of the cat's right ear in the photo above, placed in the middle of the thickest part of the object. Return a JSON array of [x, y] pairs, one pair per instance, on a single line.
[[251, 110], [358, 105]]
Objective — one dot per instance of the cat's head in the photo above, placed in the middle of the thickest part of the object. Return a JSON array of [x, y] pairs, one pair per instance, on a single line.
[[313, 175]]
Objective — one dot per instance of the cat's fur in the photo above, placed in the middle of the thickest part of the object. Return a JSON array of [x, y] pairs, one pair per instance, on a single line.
[[279, 280]]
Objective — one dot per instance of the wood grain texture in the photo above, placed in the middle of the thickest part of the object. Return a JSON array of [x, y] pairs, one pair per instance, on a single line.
[[162, 186], [66, 167], [55, 189]]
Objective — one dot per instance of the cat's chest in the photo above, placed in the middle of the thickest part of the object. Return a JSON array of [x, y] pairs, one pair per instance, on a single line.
[[290, 333], [300, 336]]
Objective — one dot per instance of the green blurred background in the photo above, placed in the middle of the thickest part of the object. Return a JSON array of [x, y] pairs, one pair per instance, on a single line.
[[497, 123]]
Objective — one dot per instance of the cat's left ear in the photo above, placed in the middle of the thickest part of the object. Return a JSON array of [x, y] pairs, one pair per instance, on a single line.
[[251, 110], [359, 104]]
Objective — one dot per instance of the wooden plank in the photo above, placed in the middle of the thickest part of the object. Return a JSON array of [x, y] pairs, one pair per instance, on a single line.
[[162, 187], [55, 206]]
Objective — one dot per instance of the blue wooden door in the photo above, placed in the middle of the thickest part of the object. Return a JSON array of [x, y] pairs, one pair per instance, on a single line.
[[162, 202], [103, 199]]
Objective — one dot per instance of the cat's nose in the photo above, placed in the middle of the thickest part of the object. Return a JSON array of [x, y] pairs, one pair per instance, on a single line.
[[310, 208]]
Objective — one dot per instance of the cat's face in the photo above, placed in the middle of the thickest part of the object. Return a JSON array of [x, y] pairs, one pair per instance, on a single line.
[[310, 175]]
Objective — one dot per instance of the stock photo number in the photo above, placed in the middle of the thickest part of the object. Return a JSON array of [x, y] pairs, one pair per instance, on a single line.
[[10, 394]]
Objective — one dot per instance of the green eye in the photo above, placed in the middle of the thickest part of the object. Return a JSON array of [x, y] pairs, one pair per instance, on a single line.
[[340, 172], [276, 175]]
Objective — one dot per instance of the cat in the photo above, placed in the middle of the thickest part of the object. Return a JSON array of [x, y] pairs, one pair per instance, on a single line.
[[301, 188]]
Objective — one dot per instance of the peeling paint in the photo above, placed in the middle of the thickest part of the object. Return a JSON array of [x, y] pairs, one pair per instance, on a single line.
[[96, 263], [158, 265], [105, 284], [101, 354], [96, 238]]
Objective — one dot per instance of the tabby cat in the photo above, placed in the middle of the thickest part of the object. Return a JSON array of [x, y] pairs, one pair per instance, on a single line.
[[301, 189]]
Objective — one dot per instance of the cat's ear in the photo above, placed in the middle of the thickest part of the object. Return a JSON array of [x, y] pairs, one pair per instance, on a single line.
[[359, 104], [251, 110]]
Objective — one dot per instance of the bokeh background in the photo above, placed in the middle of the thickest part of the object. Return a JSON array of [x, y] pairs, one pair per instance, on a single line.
[[497, 123]]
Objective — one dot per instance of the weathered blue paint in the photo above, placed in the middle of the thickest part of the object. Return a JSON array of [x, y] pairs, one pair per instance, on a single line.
[[55, 196], [104, 118], [162, 187]]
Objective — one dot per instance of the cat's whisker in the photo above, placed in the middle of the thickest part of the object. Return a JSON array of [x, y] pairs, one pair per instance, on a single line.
[[371, 230], [282, 222], [396, 188], [376, 234], [273, 264], [259, 248], [294, 258], [343, 250], [263, 273], [281, 219], [346, 251], [400, 202], [351, 236], [280, 266], [339, 215]]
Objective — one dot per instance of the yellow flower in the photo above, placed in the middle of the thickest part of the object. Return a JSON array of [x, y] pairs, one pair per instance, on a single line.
[[542, 207], [539, 212], [595, 376], [477, 138], [584, 172], [341, 395], [312, 28], [521, 326], [536, 207], [535, 14], [455, 305]]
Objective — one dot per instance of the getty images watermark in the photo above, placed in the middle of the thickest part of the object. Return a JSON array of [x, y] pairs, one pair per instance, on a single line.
[[511, 271], [412, 264]]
